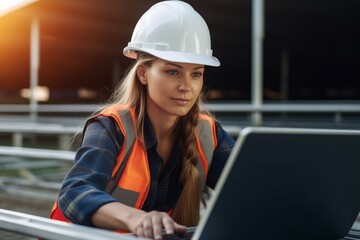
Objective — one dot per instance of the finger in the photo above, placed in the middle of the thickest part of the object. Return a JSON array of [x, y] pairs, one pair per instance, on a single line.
[[168, 224], [157, 226], [147, 228], [140, 232]]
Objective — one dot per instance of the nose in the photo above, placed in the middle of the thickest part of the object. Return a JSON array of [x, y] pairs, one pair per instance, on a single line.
[[184, 84]]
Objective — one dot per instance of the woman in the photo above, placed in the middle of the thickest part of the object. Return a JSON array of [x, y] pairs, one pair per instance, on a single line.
[[146, 158]]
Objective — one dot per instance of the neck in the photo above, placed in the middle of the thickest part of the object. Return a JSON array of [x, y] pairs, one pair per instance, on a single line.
[[163, 124]]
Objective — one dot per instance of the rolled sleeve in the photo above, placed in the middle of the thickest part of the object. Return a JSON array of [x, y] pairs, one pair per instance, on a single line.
[[83, 189]]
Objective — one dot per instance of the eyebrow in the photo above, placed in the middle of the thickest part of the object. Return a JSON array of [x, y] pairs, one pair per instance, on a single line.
[[179, 66]]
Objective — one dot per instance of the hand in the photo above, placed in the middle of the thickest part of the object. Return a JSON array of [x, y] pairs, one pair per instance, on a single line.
[[150, 224]]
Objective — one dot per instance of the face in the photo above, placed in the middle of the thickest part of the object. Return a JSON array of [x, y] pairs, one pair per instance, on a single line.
[[172, 88]]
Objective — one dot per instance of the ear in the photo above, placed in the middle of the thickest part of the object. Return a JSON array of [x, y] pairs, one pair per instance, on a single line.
[[141, 74]]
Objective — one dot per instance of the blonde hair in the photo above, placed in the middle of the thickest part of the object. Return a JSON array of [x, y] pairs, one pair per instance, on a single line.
[[132, 93], [187, 209]]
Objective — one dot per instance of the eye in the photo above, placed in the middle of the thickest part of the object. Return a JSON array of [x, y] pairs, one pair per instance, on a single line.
[[172, 72], [197, 74]]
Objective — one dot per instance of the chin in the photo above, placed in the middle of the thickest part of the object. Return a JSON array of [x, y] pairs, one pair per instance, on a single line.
[[181, 113]]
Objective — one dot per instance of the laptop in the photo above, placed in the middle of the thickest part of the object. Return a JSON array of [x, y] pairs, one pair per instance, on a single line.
[[286, 183]]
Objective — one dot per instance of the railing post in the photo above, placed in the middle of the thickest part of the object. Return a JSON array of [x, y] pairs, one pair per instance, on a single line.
[[34, 66], [338, 117], [17, 139], [256, 59]]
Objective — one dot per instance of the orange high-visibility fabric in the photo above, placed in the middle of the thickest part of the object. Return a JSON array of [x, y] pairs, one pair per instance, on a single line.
[[203, 160]]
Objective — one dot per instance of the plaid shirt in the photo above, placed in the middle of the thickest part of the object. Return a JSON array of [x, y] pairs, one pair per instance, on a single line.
[[83, 189]]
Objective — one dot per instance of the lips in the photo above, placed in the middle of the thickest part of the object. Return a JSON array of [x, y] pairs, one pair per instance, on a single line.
[[181, 101]]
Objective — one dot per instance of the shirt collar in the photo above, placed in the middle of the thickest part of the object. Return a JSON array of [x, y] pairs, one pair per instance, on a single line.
[[149, 134]]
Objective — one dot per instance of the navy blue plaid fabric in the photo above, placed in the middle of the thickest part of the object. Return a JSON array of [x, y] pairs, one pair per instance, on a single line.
[[83, 189]]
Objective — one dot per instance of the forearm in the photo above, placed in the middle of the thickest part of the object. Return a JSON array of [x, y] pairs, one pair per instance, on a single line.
[[116, 215]]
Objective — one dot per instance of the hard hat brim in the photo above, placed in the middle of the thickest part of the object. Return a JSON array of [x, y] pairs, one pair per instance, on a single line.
[[172, 56]]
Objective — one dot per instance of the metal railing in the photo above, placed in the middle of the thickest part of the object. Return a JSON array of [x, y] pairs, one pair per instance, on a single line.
[[44, 184], [44, 228], [37, 153], [55, 119], [216, 107], [334, 108], [63, 133], [18, 130]]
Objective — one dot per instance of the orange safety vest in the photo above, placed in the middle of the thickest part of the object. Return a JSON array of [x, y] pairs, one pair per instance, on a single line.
[[130, 180]]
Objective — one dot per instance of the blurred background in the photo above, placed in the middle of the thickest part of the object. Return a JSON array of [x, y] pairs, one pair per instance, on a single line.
[[283, 63], [310, 49]]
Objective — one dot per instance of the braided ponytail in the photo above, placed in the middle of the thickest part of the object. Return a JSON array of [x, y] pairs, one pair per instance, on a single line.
[[187, 207]]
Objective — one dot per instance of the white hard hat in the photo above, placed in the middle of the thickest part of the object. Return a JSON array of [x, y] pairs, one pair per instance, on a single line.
[[173, 31]]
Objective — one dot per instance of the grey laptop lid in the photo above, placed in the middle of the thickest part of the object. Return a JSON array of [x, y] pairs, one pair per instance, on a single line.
[[282, 183]]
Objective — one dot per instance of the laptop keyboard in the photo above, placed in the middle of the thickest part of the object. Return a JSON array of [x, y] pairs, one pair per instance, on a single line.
[[353, 234], [187, 236], [177, 237]]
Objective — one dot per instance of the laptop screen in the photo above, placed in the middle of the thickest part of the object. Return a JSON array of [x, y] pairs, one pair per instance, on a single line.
[[286, 184]]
